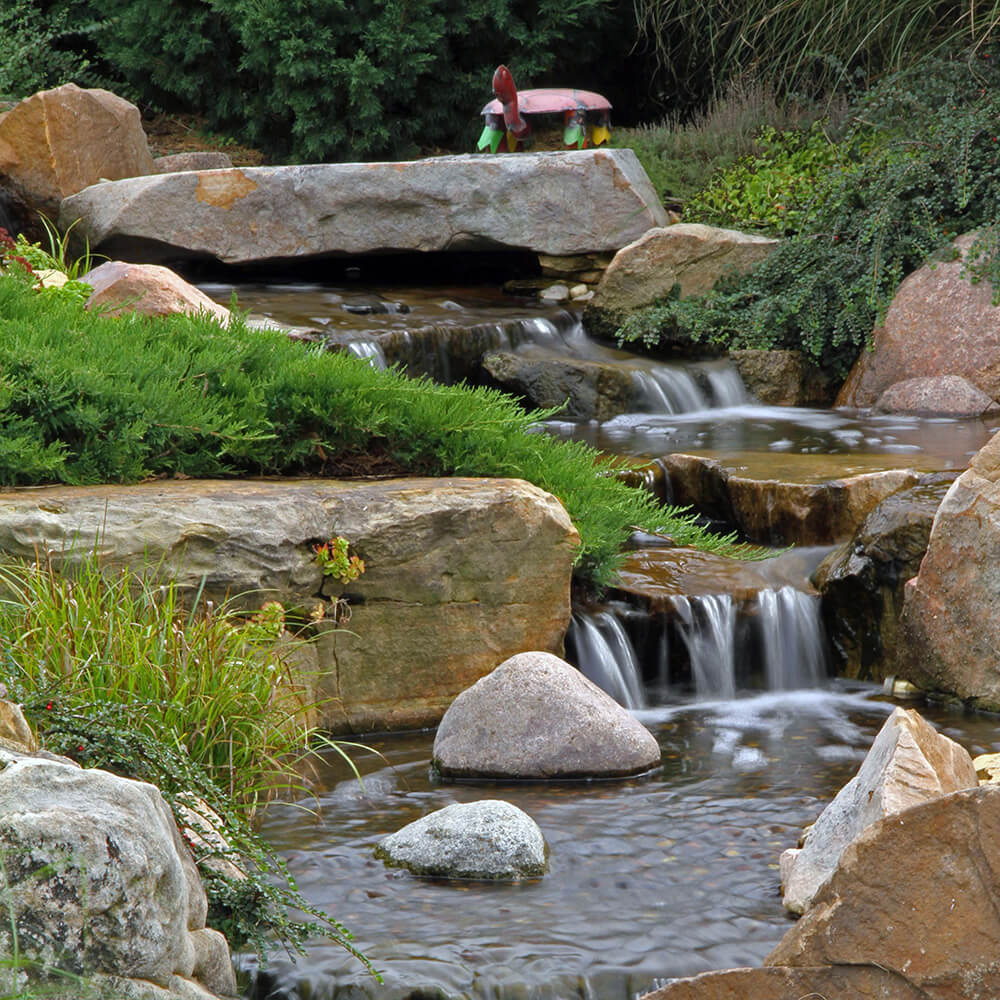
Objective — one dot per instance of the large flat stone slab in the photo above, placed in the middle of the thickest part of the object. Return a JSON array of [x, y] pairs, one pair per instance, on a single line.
[[460, 573], [559, 203]]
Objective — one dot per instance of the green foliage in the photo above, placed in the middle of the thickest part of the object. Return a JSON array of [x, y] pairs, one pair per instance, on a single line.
[[333, 559], [682, 157], [113, 672], [34, 54], [803, 46], [311, 80], [94, 399], [920, 165], [774, 189]]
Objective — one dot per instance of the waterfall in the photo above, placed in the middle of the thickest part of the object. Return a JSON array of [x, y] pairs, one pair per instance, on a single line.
[[604, 654], [726, 384], [707, 624], [667, 390], [792, 639], [368, 349], [774, 640]]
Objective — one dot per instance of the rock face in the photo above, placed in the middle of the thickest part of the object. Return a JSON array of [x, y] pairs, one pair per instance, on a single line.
[[917, 895], [862, 583], [782, 378], [908, 763], [148, 289], [939, 323], [589, 390], [57, 142], [491, 839], [461, 573], [197, 160], [936, 395], [806, 500], [553, 203], [690, 255], [950, 628], [97, 878], [535, 716]]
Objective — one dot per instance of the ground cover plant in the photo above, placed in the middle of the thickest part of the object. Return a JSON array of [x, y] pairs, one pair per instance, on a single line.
[[918, 165], [94, 399]]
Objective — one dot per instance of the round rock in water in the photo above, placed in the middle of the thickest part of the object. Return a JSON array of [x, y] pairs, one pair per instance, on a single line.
[[491, 839], [536, 716]]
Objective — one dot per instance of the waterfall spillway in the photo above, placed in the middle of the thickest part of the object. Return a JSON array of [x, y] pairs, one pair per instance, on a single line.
[[606, 656], [712, 643]]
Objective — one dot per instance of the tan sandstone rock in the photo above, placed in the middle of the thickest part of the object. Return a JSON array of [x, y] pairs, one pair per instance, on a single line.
[[939, 323], [916, 894], [688, 254], [908, 763], [950, 626], [57, 142], [461, 573], [148, 289]]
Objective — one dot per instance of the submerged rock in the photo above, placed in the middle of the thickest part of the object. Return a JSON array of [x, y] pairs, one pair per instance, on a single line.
[[863, 582], [939, 323], [950, 626], [589, 390], [536, 716], [908, 763], [688, 255], [491, 839]]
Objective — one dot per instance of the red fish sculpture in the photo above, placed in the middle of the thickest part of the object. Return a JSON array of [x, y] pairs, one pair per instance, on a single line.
[[586, 115]]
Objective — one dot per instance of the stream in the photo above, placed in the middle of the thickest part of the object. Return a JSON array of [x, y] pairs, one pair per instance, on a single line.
[[669, 875]]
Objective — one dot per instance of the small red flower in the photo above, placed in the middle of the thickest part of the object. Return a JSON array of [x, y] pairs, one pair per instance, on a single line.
[[48, 706]]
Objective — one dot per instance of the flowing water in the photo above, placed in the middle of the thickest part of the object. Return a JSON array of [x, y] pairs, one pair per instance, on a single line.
[[669, 875]]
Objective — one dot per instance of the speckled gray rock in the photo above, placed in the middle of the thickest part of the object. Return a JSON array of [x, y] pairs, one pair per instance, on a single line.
[[536, 716], [491, 839]]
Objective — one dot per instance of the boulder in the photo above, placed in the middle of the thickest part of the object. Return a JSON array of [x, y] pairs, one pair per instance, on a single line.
[[15, 733], [909, 762], [560, 203], [862, 582], [936, 395], [491, 839], [688, 255], [843, 982], [939, 323], [57, 142], [460, 573], [916, 894], [950, 626], [195, 160], [785, 499], [536, 716], [148, 289], [95, 875], [782, 378], [588, 390]]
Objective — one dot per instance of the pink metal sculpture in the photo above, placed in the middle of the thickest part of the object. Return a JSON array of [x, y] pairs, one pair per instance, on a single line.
[[586, 115]]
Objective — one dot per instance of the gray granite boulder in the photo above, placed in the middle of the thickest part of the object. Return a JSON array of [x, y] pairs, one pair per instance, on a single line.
[[536, 716], [559, 203], [491, 839], [936, 395]]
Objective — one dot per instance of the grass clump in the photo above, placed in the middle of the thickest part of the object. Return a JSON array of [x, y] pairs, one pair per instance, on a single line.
[[94, 399], [919, 165], [113, 672]]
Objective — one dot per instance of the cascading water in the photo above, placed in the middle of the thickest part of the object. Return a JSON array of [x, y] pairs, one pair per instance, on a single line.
[[605, 655], [777, 637]]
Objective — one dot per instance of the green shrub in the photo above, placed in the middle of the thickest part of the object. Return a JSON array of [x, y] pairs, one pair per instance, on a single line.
[[328, 80], [919, 167]]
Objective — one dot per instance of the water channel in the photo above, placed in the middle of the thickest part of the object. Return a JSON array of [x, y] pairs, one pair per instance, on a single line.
[[652, 878]]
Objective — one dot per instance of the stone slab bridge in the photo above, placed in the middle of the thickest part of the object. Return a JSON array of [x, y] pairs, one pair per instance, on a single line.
[[556, 203]]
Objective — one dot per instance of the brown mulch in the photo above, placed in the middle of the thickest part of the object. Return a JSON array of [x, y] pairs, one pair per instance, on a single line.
[[170, 133]]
